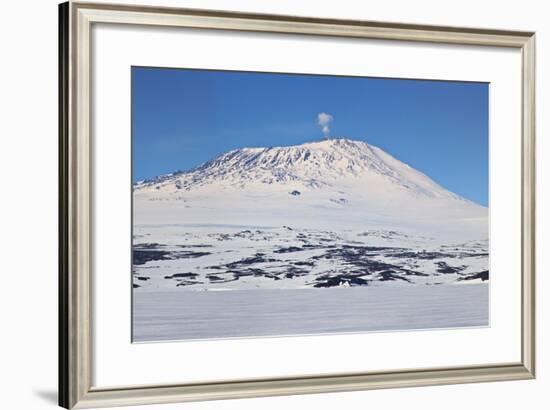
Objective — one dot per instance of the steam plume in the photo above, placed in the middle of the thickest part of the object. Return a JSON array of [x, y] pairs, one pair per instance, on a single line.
[[323, 120]]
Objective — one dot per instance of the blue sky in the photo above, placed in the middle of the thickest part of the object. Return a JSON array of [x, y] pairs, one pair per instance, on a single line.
[[182, 118]]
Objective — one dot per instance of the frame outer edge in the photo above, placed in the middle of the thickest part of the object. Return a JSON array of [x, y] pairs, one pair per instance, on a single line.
[[63, 275], [221, 20], [281, 23], [528, 205], [81, 188], [75, 355], [301, 385], [75, 350]]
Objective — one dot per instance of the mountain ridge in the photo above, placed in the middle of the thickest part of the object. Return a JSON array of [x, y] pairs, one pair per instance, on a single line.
[[308, 166]]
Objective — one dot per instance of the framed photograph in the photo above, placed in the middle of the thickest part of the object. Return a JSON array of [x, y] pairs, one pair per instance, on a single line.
[[256, 205]]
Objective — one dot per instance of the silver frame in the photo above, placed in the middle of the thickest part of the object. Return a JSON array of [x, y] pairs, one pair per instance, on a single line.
[[75, 353]]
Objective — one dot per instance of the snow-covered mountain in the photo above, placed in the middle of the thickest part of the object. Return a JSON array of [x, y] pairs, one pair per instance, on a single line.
[[336, 182], [308, 166], [321, 214]]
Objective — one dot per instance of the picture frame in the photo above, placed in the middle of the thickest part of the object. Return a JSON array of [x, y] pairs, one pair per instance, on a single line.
[[76, 352]]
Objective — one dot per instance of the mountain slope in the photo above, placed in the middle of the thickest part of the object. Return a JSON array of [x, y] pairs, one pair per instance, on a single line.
[[332, 183], [310, 165]]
